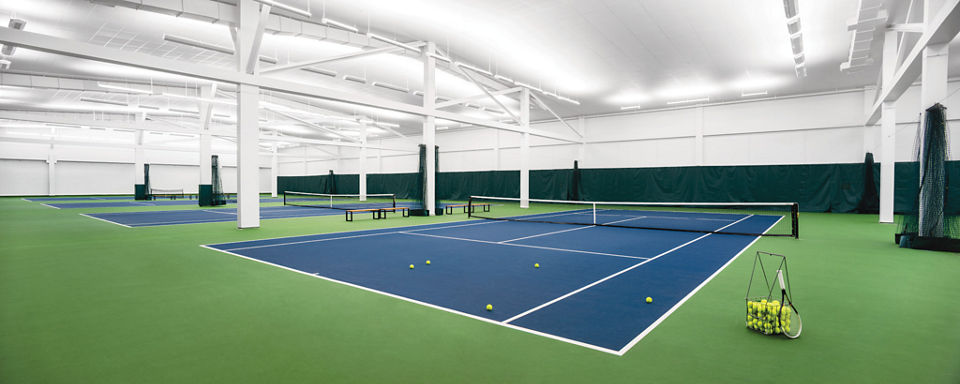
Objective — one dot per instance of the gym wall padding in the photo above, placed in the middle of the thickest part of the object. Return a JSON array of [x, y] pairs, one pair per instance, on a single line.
[[817, 187]]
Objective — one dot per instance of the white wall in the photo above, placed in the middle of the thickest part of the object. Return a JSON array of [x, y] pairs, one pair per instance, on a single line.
[[23, 177]]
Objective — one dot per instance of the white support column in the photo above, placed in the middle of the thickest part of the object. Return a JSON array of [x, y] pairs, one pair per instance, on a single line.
[[248, 158], [274, 171], [933, 89], [51, 172], [429, 124], [525, 148], [888, 134], [888, 130], [206, 110], [698, 139], [248, 131], [582, 147], [363, 163], [496, 150]]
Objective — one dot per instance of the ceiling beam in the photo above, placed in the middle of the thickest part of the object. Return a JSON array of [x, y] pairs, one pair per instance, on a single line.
[[133, 126], [55, 45], [476, 97], [942, 29], [351, 55]]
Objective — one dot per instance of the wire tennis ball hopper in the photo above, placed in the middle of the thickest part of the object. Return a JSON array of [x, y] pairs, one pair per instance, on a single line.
[[766, 313]]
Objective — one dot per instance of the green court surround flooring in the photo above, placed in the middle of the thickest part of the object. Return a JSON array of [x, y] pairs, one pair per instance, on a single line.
[[84, 301]]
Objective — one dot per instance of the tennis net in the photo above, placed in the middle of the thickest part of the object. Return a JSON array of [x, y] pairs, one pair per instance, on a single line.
[[171, 193], [753, 219], [339, 201]]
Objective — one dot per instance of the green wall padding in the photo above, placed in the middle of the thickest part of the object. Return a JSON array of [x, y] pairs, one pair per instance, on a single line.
[[205, 195], [817, 187]]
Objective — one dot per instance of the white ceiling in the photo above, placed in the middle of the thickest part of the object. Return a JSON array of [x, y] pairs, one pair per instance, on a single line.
[[605, 53]]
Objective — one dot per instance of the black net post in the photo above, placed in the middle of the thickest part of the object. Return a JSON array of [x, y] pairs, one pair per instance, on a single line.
[[795, 219]]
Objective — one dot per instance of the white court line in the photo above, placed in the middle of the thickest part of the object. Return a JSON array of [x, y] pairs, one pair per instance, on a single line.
[[361, 235], [523, 245], [504, 324], [581, 289], [475, 317], [221, 213], [49, 206], [105, 220], [653, 325]]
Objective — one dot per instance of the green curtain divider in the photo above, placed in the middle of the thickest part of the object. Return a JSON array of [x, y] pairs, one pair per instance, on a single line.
[[817, 187]]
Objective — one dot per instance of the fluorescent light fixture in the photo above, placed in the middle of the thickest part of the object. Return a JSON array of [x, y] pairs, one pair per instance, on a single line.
[[630, 107], [268, 59], [503, 78], [102, 101], [17, 24], [197, 98], [418, 93], [141, 106], [793, 27], [392, 42], [439, 57], [443, 99], [390, 86], [184, 111], [495, 111], [334, 23], [751, 94], [197, 44], [472, 68], [702, 99], [386, 124], [355, 79], [569, 100], [528, 86], [125, 89], [790, 8], [273, 3], [222, 115], [320, 71]]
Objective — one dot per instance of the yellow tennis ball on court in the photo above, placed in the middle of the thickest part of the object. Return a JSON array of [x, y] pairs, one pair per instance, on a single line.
[[489, 307], [428, 262], [537, 265], [649, 300], [411, 266]]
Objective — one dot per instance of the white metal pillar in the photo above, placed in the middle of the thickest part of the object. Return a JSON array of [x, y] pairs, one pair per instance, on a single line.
[[888, 130], [888, 135], [429, 125], [698, 139], [274, 171], [206, 110], [363, 163], [582, 147], [525, 148], [496, 150], [51, 172], [248, 132], [248, 178]]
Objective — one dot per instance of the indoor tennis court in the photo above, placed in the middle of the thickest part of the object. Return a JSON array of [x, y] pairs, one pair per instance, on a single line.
[[526, 191]]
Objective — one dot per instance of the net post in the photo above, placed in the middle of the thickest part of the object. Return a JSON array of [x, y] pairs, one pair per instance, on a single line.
[[795, 219], [594, 213], [284, 197], [470, 207], [393, 198]]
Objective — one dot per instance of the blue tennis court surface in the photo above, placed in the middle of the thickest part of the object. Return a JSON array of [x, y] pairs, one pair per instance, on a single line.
[[197, 216], [140, 203], [589, 290], [79, 198]]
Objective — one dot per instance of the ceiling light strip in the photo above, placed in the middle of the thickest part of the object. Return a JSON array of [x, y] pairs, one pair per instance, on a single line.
[[197, 44], [273, 3]]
